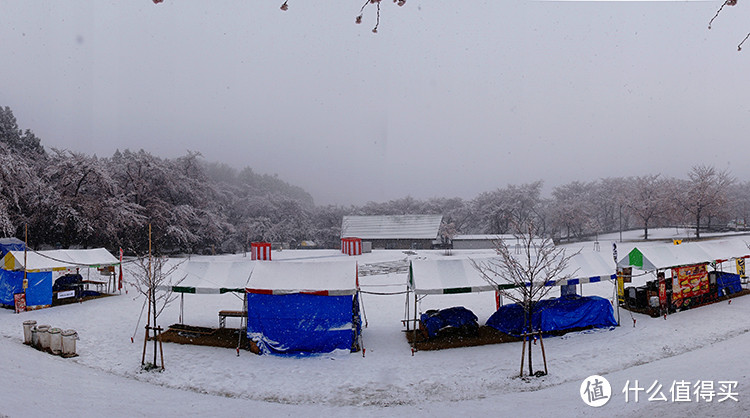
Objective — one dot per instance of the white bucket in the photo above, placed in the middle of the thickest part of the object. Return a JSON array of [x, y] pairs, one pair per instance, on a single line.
[[55, 340], [42, 332], [69, 337], [27, 327]]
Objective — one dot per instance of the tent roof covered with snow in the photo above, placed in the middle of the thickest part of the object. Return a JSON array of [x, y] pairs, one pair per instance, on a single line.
[[52, 260], [391, 226], [332, 278], [588, 267], [460, 276], [211, 276], [667, 256], [434, 277]]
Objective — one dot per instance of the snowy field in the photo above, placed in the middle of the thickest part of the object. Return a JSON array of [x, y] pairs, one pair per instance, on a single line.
[[706, 344]]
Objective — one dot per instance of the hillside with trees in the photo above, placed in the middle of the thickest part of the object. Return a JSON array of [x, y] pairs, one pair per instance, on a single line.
[[72, 199]]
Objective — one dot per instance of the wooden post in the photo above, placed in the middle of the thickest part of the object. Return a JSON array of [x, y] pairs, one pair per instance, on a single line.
[[145, 341], [25, 247], [523, 353], [544, 356], [161, 350], [148, 298], [414, 340]]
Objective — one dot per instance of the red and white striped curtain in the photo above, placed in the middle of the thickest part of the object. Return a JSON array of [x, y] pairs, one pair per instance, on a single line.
[[260, 251], [351, 246]]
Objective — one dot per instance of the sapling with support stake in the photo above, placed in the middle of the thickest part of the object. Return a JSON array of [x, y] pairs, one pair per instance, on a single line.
[[527, 276], [152, 279]]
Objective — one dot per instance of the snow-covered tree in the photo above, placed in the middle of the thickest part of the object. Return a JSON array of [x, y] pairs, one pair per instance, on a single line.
[[648, 199], [496, 212], [152, 278], [16, 138], [704, 194], [570, 210], [538, 263]]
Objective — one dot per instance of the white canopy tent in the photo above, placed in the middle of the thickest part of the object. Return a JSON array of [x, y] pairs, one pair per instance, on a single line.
[[325, 278], [55, 260], [210, 276], [686, 254]]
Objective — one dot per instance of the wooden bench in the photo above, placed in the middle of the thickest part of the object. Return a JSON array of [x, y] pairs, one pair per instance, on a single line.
[[223, 315]]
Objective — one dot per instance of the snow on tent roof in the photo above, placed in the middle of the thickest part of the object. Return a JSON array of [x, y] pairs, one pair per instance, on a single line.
[[447, 276], [391, 227], [668, 255], [588, 267], [726, 249], [460, 276], [327, 278], [211, 276], [58, 259]]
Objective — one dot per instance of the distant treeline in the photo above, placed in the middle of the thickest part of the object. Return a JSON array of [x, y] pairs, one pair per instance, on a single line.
[[193, 206]]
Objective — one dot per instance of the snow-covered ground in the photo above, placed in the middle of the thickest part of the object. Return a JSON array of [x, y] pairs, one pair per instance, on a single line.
[[705, 344]]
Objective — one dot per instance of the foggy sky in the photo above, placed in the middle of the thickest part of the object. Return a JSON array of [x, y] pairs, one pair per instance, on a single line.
[[449, 98]]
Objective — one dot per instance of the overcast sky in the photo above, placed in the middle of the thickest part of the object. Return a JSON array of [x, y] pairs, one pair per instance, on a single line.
[[449, 98]]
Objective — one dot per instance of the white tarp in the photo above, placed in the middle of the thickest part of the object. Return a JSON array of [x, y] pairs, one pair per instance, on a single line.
[[447, 276], [685, 254], [460, 276], [588, 266], [210, 276], [58, 259]]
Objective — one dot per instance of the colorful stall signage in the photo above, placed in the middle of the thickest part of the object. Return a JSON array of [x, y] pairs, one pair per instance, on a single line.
[[741, 267], [19, 300], [688, 282]]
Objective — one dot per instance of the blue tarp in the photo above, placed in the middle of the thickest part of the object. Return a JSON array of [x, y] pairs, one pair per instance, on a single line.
[[39, 292], [728, 283], [456, 317], [299, 324], [557, 314], [10, 244]]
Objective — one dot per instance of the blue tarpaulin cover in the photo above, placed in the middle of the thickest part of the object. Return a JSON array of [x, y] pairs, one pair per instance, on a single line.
[[728, 283], [457, 317], [10, 244], [558, 314], [39, 292], [299, 323]]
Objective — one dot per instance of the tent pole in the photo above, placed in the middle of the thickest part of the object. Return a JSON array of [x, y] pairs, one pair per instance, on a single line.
[[362, 306], [407, 311], [523, 351], [544, 356], [414, 339], [25, 247]]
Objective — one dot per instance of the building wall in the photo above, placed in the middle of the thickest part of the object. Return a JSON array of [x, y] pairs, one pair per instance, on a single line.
[[401, 244], [472, 244]]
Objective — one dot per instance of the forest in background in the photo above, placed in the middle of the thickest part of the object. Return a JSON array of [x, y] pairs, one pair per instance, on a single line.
[[69, 199]]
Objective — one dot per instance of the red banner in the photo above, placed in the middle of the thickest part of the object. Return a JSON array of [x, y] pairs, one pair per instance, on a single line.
[[119, 282], [662, 291], [688, 282], [19, 300]]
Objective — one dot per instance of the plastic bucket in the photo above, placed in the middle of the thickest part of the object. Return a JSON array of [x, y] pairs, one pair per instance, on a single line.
[[55, 340], [69, 337], [653, 301], [27, 327], [34, 337], [42, 332]]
